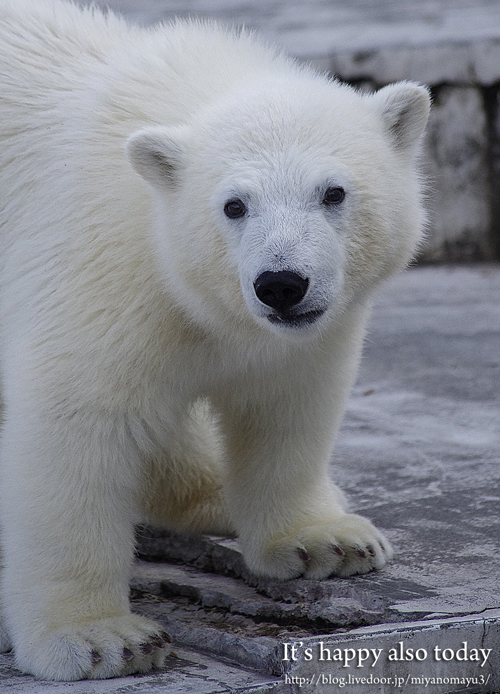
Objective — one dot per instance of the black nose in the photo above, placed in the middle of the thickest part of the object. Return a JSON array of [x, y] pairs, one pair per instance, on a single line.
[[280, 290]]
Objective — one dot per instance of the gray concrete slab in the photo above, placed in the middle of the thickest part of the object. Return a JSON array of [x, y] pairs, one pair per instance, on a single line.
[[419, 453]]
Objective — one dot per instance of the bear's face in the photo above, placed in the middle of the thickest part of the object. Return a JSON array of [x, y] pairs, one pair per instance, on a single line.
[[285, 223], [283, 208]]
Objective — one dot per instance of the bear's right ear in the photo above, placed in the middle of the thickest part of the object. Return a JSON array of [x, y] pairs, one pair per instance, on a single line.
[[404, 108], [157, 153]]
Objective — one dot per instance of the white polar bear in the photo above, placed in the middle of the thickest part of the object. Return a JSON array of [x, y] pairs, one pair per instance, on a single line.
[[179, 349]]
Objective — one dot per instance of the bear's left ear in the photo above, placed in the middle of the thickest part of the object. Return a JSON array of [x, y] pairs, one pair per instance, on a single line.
[[157, 153], [404, 108]]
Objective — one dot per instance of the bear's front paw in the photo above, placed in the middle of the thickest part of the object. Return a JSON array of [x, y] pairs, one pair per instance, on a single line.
[[346, 545], [111, 647]]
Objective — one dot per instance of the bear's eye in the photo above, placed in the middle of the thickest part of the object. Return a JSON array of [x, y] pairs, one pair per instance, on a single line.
[[235, 208], [333, 196]]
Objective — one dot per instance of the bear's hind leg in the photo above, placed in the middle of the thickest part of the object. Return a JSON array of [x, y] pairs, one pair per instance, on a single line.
[[184, 487]]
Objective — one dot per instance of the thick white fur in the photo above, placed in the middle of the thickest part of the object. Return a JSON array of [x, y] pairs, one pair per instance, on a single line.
[[141, 377]]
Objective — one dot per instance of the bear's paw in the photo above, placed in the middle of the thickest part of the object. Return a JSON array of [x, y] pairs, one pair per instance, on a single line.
[[111, 647], [344, 546]]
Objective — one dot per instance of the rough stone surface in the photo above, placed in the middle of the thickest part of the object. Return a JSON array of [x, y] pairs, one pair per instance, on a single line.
[[457, 166], [418, 454], [451, 45]]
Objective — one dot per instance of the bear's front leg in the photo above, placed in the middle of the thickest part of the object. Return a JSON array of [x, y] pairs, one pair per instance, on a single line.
[[290, 517], [68, 493]]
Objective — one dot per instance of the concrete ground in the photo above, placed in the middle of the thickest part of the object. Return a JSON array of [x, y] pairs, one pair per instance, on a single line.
[[419, 454]]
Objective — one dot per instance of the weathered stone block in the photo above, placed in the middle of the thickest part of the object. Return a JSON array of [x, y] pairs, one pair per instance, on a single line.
[[456, 159]]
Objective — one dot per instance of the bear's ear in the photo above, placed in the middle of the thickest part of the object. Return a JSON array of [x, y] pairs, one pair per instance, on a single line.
[[404, 107], [157, 153]]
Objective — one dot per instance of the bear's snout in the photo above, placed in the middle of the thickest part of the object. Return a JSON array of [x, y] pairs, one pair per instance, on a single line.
[[280, 290]]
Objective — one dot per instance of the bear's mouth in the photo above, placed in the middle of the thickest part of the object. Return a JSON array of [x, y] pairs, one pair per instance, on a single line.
[[298, 320]]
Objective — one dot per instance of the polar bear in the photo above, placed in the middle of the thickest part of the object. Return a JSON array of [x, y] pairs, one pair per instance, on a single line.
[[192, 229]]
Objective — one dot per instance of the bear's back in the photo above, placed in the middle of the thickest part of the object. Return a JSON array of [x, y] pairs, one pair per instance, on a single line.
[[52, 51], [75, 83]]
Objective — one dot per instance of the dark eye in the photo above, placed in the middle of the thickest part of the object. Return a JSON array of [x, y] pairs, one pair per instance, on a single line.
[[235, 208], [333, 196]]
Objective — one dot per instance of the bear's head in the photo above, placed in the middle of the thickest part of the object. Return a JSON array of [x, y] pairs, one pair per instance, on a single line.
[[282, 203]]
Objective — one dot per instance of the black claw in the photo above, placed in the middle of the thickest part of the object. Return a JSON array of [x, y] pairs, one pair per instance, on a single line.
[[303, 554], [338, 550], [157, 642], [146, 648], [371, 551], [127, 655], [361, 552], [95, 657], [165, 637]]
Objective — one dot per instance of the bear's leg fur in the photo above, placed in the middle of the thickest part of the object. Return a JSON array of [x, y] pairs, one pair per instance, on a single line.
[[69, 487], [183, 489], [290, 518]]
